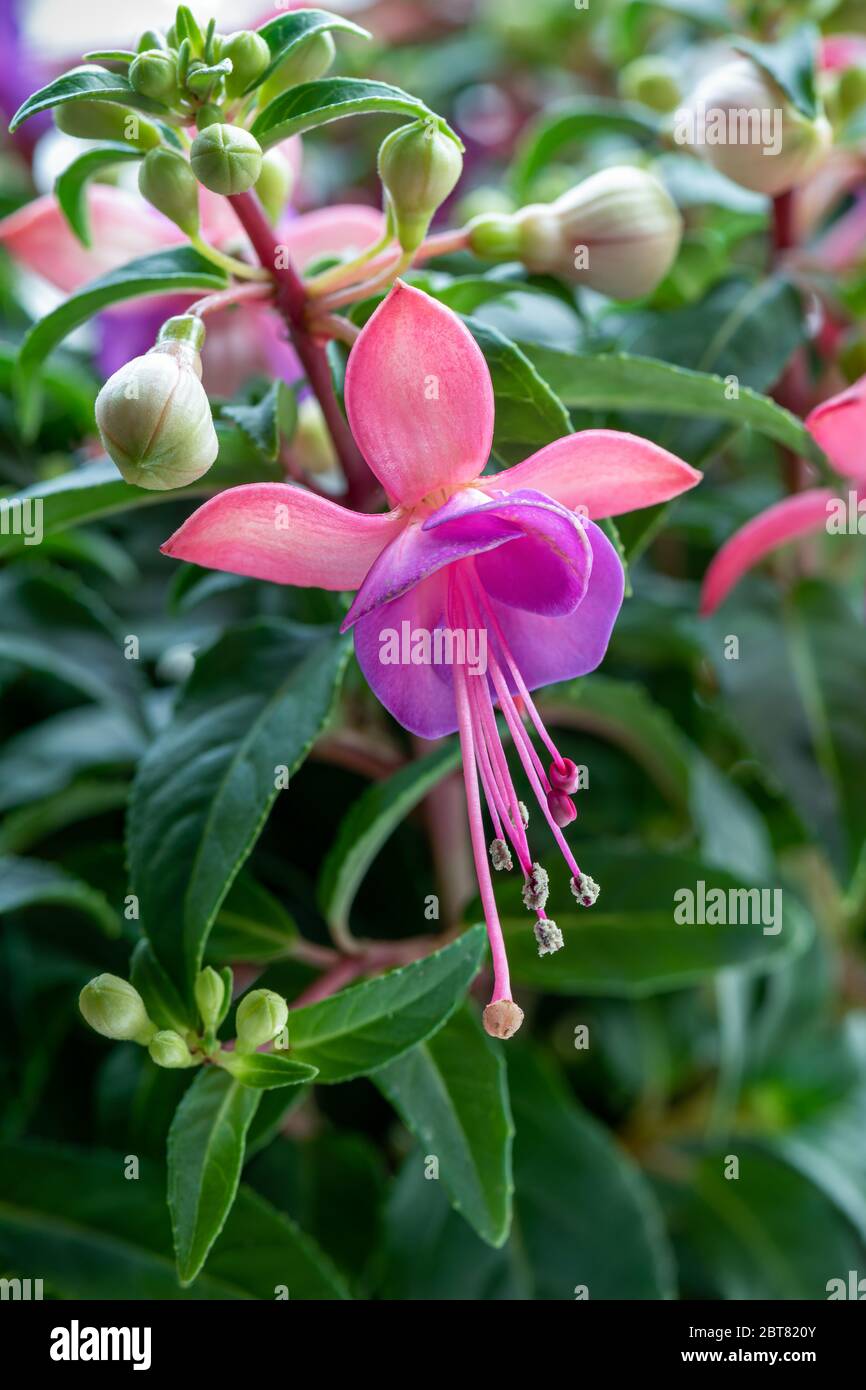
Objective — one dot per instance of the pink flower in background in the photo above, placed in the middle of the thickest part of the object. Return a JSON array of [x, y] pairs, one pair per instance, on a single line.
[[243, 343], [839, 426], [472, 591]]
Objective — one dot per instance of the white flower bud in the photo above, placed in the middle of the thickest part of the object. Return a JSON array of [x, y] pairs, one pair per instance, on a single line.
[[154, 415], [742, 123]]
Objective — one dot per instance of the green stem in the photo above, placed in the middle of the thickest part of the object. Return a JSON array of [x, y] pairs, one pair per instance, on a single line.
[[229, 264]]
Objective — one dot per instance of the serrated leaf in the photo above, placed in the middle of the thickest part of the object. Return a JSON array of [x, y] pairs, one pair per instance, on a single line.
[[285, 33], [33, 883], [205, 1156], [266, 1071], [452, 1093], [181, 268], [363, 1028], [312, 104], [254, 703], [369, 823], [84, 85], [70, 188], [620, 381], [529, 413]]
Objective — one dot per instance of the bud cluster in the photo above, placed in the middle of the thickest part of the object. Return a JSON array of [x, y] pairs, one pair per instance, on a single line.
[[114, 1008]]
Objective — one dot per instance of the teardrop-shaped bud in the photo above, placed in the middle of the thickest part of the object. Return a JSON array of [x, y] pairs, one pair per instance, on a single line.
[[419, 166], [306, 62], [154, 416], [742, 122], [226, 159], [618, 232], [249, 55], [275, 183], [168, 1049], [106, 120], [114, 1008], [154, 74], [210, 991], [166, 180], [262, 1014], [561, 808]]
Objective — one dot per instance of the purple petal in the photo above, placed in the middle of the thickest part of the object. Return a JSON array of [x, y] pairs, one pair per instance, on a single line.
[[546, 569]]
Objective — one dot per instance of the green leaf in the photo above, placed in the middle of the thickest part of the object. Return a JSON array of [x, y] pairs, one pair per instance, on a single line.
[[260, 422], [585, 1214], [769, 1234], [94, 1235], [253, 705], [790, 61], [313, 104], [181, 268], [287, 32], [54, 624], [731, 833], [97, 490], [796, 694], [32, 883], [629, 944], [581, 120], [452, 1093], [47, 757], [265, 1071], [361, 1029], [369, 823], [205, 1156], [71, 186], [162, 1001], [251, 925], [83, 85], [529, 414], [619, 381]]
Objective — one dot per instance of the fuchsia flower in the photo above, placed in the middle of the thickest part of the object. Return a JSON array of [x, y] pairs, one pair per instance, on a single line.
[[839, 426], [462, 564]]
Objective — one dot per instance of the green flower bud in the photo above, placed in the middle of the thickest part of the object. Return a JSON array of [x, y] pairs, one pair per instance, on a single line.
[[652, 80], [419, 166], [114, 1008], [106, 120], [250, 56], [154, 75], [312, 445], [617, 231], [154, 416], [261, 1015], [311, 59], [226, 159], [210, 993], [168, 1049], [166, 180], [742, 123], [275, 183]]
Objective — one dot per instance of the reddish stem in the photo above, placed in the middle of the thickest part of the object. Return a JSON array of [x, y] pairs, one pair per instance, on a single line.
[[291, 300]]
